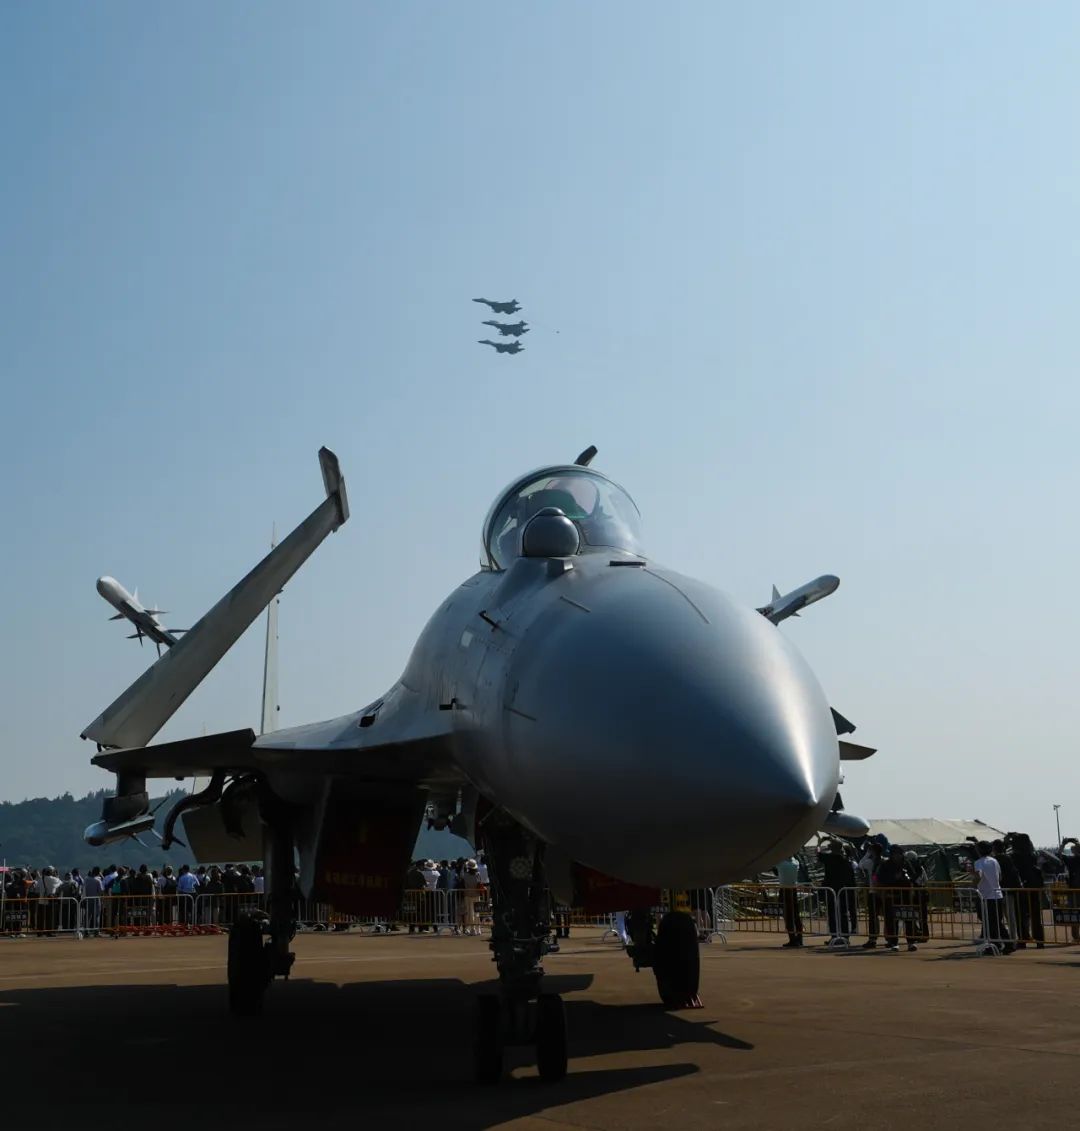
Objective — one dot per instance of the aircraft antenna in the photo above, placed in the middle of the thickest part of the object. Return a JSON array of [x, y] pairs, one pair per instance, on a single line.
[[587, 456]]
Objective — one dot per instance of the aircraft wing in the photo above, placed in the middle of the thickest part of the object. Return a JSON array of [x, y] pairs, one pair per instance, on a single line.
[[144, 708], [393, 740]]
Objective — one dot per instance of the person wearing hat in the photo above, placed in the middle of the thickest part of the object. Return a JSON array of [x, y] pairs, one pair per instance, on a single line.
[[428, 897], [470, 892]]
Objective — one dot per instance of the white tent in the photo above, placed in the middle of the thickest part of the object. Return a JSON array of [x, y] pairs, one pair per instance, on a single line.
[[910, 831]]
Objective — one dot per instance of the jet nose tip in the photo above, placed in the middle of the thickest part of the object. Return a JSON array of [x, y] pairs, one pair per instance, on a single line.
[[689, 719]]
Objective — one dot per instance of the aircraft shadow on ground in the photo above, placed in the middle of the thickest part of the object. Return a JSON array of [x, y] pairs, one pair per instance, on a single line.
[[399, 1047]]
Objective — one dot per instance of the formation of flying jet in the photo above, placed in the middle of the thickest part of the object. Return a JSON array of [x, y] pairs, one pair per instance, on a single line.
[[503, 347], [128, 607], [511, 307], [600, 725], [508, 329]]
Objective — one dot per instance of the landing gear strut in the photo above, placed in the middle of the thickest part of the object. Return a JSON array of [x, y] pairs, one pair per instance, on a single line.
[[519, 1014], [671, 951], [259, 944]]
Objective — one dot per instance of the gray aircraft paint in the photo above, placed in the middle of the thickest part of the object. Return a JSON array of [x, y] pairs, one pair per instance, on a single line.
[[640, 721]]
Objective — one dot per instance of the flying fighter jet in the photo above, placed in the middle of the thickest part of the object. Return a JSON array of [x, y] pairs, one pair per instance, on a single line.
[[503, 347], [511, 307], [508, 328], [129, 608], [601, 725]]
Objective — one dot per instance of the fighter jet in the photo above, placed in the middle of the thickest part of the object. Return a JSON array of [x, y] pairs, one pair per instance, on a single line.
[[511, 307], [601, 725], [129, 608], [503, 347], [506, 329]]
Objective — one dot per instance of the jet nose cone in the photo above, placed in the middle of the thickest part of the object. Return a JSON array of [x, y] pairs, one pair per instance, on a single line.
[[693, 741]]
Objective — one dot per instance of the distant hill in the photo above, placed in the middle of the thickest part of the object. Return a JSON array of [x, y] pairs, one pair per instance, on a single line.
[[47, 830]]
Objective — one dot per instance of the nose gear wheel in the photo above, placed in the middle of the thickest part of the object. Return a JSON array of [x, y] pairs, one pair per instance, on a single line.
[[676, 962]]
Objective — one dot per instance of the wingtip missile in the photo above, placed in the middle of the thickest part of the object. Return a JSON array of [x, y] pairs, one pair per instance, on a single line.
[[790, 605]]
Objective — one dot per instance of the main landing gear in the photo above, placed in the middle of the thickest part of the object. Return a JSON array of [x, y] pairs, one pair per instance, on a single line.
[[259, 944], [519, 1014], [671, 951]]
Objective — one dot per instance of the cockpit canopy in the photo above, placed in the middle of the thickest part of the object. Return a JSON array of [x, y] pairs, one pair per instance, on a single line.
[[604, 513]]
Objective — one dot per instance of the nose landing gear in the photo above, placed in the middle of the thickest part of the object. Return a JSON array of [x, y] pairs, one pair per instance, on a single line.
[[259, 944], [249, 971], [519, 1014]]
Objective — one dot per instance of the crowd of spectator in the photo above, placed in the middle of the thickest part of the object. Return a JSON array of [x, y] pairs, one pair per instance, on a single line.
[[1010, 877], [43, 901], [430, 899]]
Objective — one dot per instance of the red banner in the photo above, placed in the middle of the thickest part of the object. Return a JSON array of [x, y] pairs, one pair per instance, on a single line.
[[598, 894], [363, 853]]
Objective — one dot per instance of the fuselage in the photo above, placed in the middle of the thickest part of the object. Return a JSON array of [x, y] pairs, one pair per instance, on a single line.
[[641, 721]]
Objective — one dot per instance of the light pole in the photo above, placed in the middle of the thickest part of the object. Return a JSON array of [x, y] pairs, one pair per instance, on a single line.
[[1057, 817]]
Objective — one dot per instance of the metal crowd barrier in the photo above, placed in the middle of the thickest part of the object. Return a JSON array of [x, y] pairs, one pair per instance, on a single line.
[[939, 912], [464, 911], [802, 910], [222, 909], [136, 915], [39, 916]]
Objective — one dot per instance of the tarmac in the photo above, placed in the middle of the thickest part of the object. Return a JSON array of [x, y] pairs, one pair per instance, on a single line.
[[375, 1030]]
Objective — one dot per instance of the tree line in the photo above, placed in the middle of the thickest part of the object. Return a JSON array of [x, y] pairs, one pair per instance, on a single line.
[[49, 830]]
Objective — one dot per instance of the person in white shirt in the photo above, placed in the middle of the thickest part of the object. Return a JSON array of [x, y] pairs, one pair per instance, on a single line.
[[989, 886], [47, 887], [431, 875], [258, 880]]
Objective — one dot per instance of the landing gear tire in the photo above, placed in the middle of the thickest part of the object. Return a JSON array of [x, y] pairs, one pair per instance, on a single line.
[[677, 962], [550, 1037], [488, 1042], [248, 976]]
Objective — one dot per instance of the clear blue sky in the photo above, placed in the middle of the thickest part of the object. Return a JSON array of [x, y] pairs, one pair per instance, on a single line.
[[805, 273]]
